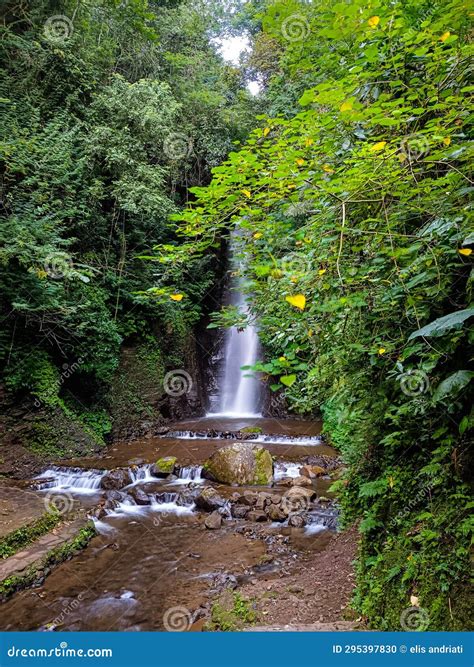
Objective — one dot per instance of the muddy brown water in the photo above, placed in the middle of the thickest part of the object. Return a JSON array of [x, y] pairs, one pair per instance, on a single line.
[[146, 562]]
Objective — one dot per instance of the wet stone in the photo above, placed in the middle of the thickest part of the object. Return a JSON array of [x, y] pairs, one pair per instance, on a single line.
[[116, 479], [213, 521], [209, 500], [240, 511]]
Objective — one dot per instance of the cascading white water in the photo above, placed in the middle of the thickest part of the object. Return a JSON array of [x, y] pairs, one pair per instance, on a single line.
[[239, 391], [74, 480]]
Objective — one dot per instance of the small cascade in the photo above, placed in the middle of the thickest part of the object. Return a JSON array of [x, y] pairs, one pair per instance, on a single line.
[[190, 474], [285, 470], [268, 439], [141, 474], [322, 518], [72, 480]]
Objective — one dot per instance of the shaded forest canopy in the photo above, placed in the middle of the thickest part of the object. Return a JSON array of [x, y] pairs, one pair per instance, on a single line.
[[130, 149]]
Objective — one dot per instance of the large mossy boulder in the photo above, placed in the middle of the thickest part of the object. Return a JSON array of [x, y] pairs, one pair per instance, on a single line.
[[240, 464]]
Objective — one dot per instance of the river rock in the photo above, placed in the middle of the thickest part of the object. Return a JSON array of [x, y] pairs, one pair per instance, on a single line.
[[312, 471], [301, 481], [213, 521], [139, 496], [297, 498], [262, 500], [296, 521], [257, 515], [240, 511], [116, 479], [209, 500], [299, 491], [241, 464], [275, 513], [164, 466], [248, 498]]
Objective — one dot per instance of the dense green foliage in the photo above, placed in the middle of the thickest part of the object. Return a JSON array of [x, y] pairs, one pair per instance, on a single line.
[[353, 201], [357, 231], [110, 111]]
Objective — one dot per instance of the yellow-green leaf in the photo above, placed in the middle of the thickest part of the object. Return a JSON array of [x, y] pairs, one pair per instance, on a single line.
[[176, 297], [247, 193], [374, 21], [298, 301], [288, 380], [465, 251], [445, 36], [266, 131], [379, 146], [346, 106]]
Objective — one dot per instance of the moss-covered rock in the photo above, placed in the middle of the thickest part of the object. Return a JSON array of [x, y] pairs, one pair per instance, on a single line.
[[164, 466], [241, 464]]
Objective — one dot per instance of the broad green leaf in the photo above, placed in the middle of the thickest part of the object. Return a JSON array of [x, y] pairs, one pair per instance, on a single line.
[[442, 324], [452, 385]]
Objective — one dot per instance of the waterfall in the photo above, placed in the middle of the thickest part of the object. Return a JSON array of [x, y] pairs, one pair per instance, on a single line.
[[239, 396]]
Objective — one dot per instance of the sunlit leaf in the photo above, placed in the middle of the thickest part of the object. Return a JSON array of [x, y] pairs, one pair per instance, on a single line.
[[298, 300], [288, 380]]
